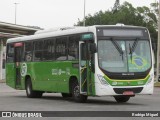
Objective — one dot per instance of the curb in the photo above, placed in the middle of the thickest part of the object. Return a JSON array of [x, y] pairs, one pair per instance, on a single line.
[[157, 84], [2, 81]]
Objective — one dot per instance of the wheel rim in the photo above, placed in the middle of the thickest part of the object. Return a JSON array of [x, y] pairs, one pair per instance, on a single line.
[[76, 91]]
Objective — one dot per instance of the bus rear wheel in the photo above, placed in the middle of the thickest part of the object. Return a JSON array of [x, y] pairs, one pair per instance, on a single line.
[[30, 92], [76, 93], [121, 99]]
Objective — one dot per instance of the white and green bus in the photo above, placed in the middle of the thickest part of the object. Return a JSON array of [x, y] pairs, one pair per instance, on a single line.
[[101, 60]]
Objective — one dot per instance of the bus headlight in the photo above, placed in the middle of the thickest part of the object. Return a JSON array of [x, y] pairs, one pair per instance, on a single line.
[[150, 79], [102, 79]]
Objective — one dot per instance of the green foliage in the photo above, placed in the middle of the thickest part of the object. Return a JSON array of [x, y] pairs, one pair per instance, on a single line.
[[116, 6], [128, 15]]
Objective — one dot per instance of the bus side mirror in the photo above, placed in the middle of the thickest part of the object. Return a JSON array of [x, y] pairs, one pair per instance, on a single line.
[[93, 48]]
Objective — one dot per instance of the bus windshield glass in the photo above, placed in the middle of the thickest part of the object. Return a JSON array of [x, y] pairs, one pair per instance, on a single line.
[[123, 55]]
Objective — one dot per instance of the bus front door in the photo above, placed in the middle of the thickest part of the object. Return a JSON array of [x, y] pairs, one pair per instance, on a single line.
[[84, 70], [17, 60]]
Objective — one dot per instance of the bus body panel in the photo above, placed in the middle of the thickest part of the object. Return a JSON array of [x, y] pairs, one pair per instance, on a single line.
[[50, 76], [10, 75]]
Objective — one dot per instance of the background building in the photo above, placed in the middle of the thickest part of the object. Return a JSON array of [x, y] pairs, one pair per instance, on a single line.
[[8, 30]]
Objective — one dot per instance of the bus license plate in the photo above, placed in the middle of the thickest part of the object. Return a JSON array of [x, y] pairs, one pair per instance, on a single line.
[[128, 93]]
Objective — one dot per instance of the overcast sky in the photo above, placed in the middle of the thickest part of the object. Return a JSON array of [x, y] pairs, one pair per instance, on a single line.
[[55, 13]]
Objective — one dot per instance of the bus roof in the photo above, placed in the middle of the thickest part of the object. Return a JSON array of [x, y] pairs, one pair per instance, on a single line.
[[64, 31], [49, 34]]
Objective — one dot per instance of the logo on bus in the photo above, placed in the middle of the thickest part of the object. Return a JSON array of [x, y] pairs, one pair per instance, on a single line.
[[138, 61], [23, 69]]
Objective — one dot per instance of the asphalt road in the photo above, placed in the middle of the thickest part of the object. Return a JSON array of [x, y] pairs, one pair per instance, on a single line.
[[16, 100]]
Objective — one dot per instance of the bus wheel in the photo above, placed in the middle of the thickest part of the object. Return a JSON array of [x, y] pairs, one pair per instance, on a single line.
[[76, 93], [29, 91], [65, 95], [121, 99]]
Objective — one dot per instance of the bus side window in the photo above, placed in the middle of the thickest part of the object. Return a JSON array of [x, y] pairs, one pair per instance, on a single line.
[[38, 50], [49, 50], [73, 47], [61, 48], [10, 53], [28, 51]]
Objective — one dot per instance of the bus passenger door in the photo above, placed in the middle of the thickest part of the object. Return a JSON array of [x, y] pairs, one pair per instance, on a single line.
[[17, 60], [84, 69]]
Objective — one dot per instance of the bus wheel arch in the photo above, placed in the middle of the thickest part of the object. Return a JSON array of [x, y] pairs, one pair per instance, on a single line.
[[74, 88], [29, 89], [27, 77], [71, 80]]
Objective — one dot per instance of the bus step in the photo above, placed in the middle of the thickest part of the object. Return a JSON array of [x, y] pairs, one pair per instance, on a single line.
[[83, 93]]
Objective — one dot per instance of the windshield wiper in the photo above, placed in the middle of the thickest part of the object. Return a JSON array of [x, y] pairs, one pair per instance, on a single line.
[[117, 47], [132, 49]]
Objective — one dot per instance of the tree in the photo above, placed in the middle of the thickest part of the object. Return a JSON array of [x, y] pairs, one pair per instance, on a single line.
[[128, 15], [116, 6]]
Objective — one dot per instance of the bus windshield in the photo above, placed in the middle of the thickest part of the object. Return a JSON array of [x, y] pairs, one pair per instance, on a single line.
[[124, 55]]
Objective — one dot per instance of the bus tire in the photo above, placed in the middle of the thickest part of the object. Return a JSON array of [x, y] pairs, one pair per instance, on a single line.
[[76, 93], [30, 92], [66, 95], [122, 99]]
